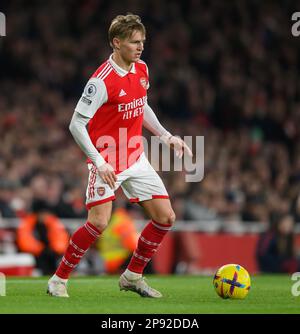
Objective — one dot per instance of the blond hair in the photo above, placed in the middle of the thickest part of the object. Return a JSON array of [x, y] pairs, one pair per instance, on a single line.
[[123, 26]]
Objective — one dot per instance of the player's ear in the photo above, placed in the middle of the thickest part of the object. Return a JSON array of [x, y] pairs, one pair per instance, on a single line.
[[116, 43]]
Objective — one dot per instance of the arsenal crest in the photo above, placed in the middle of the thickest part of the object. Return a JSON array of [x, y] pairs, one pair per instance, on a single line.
[[143, 82], [101, 191]]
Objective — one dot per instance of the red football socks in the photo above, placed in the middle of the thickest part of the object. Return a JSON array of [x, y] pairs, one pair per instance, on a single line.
[[148, 243], [80, 242]]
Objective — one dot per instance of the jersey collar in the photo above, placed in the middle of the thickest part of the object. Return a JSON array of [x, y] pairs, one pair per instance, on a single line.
[[120, 70]]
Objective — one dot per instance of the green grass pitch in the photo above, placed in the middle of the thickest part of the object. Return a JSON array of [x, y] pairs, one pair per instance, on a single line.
[[182, 295]]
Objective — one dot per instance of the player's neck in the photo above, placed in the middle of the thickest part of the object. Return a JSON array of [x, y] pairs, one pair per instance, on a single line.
[[121, 62]]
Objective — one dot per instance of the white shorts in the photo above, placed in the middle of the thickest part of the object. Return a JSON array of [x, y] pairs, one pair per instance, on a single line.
[[139, 182]]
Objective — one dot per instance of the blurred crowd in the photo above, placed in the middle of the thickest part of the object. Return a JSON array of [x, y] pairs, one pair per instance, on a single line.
[[227, 71]]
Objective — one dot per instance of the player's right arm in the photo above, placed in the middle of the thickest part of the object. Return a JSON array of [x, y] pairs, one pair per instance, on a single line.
[[93, 97]]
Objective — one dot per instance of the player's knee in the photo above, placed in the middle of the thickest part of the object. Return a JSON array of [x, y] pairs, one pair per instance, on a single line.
[[167, 218], [99, 222], [172, 218], [99, 216], [98, 219]]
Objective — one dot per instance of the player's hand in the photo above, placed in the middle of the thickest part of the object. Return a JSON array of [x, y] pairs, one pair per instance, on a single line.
[[108, 175], [179, 146]]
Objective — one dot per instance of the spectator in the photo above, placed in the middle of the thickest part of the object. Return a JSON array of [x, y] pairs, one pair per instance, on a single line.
[[276, 251], [41, 234], [118, 242]]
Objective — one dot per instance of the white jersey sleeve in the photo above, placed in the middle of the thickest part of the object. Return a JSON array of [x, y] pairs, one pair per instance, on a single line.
[[78, 129], [152, 124], [92, 98], [147, 70]]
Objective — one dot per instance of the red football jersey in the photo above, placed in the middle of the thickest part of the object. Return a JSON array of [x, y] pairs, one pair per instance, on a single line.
[[114, 99]]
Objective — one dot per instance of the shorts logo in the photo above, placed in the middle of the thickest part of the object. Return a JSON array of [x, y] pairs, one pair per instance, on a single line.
[[143, 82], [90, 90], [101, 191]]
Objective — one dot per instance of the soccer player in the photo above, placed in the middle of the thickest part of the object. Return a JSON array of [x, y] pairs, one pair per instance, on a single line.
[[114, 106]]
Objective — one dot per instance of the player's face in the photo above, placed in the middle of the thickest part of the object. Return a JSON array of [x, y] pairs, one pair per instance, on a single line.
[[131, 48]]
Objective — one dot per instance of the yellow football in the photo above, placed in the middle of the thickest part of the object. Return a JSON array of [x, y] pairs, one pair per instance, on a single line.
[[232, 281]]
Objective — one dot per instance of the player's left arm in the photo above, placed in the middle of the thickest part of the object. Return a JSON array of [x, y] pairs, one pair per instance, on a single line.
[[152, 124]]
